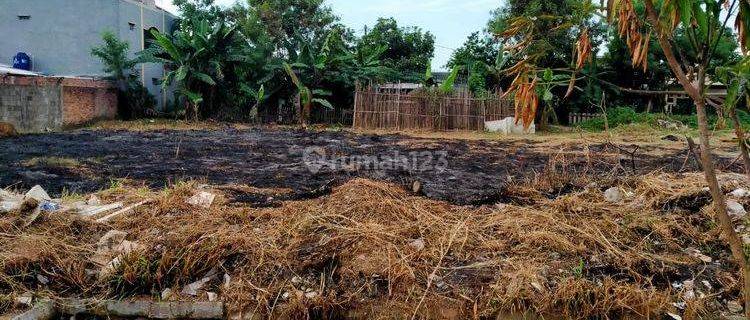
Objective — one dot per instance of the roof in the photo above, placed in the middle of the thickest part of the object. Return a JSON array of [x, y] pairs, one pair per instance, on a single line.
[[4, 69], [402, 86]]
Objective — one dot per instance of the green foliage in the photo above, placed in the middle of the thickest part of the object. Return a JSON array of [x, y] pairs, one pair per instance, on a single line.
[[114, 56], [554, 43], [409, 50], [626, 115], [199, 56], [134, 100], [447, 85]]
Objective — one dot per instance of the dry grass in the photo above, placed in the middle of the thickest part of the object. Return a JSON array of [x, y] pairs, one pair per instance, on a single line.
[[576, 256]]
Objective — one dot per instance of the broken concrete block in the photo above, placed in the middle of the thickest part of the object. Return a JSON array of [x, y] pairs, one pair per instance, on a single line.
[[613, 195], [38, 193], [44, 310], [202, 199], [145, 309], [212, 296], [193, 288], [735, 210], [89, 211]]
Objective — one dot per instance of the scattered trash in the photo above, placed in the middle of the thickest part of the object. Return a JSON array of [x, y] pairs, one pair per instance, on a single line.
[[537, 286], [110, 249], [735, 210], [695, 253], [212, 296], [202, 199], [123, 211], [42, 279], [227, 281], [166, 294], [740, 193], [674, 316], [89, 211], [38, 193], [193, 288], [25, 299], [417, 244], [613, 195], [734, 307], [311, 295], [49, 206], [688, 293], [94, 201]]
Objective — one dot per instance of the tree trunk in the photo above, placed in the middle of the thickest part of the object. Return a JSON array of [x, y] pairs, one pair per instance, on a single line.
[[720, 207], [742, 139]]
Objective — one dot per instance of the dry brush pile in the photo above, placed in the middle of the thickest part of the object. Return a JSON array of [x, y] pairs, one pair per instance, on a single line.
[[372, 250]]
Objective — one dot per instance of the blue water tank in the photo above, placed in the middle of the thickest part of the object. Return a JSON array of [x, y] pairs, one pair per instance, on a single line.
[[22, 61]]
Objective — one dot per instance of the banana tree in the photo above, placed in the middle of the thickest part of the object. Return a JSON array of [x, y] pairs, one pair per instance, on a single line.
[[307, 97], [197, 58]]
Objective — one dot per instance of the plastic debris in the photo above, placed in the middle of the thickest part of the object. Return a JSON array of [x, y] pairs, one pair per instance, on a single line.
[[695, 253], [202, 199], [613, 195], [89, 211], [417, 244], [38, 193], [735, 210], [740, 193], [50, 206]]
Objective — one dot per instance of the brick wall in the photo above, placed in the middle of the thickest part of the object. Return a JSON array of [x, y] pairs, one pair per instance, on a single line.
[[85, 101], [37, 104]]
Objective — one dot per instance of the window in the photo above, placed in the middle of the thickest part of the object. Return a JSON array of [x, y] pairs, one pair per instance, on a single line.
[[131, 25], [24, 17]]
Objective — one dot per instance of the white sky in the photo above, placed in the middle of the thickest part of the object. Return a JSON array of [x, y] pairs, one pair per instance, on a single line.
[[451, 21]]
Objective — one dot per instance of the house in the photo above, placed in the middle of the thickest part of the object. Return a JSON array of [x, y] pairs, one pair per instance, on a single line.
[[58, 35]]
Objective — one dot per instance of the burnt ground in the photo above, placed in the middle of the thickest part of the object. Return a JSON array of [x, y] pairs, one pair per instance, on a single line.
[[459, 171]]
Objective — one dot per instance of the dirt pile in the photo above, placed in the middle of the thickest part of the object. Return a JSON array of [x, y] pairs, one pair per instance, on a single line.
[[372, 250]]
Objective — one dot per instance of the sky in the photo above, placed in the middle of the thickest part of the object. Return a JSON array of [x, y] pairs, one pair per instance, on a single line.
[[451, 21]]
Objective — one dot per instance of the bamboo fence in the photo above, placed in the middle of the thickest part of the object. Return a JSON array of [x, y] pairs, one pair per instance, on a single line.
[[379, 108], [576, 118]]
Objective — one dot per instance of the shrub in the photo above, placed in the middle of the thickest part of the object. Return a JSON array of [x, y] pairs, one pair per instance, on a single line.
[[624, 115]]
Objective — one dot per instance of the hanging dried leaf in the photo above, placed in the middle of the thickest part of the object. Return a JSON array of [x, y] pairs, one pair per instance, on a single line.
[[629, 27], [583, 49]]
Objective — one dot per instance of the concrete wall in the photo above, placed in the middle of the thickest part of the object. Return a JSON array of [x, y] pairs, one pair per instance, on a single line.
[[40, 104], [32, 108], [59, 34]]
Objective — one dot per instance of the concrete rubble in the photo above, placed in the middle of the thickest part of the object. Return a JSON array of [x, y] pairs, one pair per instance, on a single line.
[[508, 126], [202, 199]]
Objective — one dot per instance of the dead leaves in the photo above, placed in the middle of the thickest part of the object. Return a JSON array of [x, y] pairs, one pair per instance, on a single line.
[[629, 28]]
